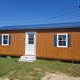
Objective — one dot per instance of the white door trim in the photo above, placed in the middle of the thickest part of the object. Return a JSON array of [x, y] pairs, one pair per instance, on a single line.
[[34, 43]]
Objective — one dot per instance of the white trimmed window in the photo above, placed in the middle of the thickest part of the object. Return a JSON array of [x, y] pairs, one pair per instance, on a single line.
[[62, 40], [5, 39]]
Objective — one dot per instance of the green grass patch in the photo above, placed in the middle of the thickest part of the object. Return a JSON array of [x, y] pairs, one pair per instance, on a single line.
[[13, 69]]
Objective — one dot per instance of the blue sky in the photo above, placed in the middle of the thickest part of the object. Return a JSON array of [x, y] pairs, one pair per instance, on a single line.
[[17, 12]]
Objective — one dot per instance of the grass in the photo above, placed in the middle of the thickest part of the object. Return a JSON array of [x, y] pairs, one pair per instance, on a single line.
[[11, 68]]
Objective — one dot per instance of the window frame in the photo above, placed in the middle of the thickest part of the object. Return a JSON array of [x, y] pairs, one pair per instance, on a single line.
[[7, 40], [66, 40], [29, 39]]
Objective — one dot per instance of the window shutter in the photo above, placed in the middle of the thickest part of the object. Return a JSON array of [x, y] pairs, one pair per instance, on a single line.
[[69, 40], [55, 40], [9, 40], [0, 40]]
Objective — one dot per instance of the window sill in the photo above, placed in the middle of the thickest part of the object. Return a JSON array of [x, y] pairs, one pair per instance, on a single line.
[[5, 44], [62, 46]]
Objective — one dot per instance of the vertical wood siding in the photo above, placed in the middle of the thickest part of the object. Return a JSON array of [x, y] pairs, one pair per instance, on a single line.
[[44, 44], [46, 49], [17, 46]]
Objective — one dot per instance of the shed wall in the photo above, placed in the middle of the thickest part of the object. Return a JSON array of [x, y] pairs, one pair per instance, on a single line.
[[44, 44], [17, 46], [46, 49]]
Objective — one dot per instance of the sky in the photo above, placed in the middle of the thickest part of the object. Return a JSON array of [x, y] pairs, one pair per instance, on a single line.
[[28, 12]]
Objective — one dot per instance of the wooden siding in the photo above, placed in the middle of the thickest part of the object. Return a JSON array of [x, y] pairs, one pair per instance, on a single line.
[[46, 49], [17, 46], [44, 44]]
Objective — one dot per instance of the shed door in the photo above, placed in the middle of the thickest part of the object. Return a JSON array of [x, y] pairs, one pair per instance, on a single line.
[[30, 43]]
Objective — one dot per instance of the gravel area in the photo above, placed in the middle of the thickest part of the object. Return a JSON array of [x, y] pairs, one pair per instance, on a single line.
[[53, 76]]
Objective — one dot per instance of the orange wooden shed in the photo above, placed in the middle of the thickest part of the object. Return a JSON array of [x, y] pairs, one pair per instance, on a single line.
[[51, 41]]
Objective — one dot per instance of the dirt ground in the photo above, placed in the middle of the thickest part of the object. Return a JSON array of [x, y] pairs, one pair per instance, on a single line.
[[51, 76], [7, 79]]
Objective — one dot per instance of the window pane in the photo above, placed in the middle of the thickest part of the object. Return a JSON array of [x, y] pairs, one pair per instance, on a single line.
[[60, 43], [5, 37], [64, 37], [31, 39], [59, 38], [64, 43], [62, 40], [31, 35], [31, 42], [4, 41]]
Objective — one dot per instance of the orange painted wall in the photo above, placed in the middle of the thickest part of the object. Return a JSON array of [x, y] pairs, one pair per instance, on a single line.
[[17, 46], [44, 44], [46, 49]]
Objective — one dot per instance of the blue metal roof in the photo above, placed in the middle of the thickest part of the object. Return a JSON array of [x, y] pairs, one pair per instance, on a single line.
[[42, 26]]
